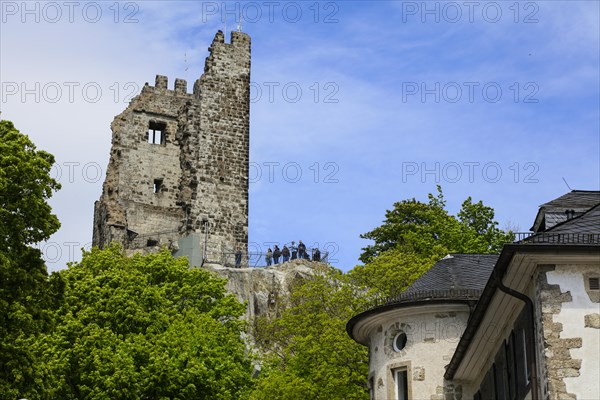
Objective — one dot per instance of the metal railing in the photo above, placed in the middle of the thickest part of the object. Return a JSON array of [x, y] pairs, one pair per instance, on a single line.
[[557, 238], [259, 259], [214, 252]]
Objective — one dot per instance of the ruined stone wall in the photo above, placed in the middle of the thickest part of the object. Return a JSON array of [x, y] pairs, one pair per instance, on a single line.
[[179, 159], [224, 156]]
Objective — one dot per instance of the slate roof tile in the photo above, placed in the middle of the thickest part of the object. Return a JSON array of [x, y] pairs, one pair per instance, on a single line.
[[575, 199], [454, 274]]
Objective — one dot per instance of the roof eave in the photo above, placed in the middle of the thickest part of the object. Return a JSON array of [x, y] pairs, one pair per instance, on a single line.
[[392, 306]]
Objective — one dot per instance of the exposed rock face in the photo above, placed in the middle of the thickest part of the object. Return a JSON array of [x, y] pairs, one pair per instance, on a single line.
[[179, 161], [264, 289]]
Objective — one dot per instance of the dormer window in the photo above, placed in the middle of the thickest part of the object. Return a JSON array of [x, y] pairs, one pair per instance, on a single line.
[[156, 132]]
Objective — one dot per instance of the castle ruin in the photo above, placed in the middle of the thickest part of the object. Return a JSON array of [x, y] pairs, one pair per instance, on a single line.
[[178, 169]]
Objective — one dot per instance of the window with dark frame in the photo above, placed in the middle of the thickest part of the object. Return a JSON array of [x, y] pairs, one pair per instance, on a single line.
[[156, 132], [523, 359], [510, 369], [487, 388], [401, 379], [502, 378], [522, 354], [399, 341], [509, 376]]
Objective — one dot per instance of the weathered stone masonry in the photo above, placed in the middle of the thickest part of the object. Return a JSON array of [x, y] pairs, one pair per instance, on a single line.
[[179, 161]]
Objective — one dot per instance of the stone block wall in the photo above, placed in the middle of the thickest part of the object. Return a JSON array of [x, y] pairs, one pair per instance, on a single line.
[[223, 157], [181, 159]]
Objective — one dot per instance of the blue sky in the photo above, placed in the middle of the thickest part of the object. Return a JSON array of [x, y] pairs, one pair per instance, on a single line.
[[372, 102]]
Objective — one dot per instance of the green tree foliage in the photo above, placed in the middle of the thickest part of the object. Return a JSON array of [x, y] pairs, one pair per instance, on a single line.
[[482, 234], [428, 229], [310, 355], [25, 186], [415, 235], [390, 273], [25, 218], [142, 327]]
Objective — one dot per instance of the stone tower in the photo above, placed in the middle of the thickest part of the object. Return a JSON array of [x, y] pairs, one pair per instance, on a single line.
[[178, 169]]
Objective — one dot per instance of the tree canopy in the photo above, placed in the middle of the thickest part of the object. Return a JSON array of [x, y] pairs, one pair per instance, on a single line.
[[428, 229], [415, 235], [142, 327], [390, 273], [25, 187], [25, 218]]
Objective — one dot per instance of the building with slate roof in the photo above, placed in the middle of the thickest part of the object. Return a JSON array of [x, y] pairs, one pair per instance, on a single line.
[[424, 323], [521, 325], [565, 207]]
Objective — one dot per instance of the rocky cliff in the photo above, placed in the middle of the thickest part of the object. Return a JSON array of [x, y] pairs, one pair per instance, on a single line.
[[265, 290]]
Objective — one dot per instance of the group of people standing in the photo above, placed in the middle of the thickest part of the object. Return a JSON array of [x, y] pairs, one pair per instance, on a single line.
[[295, 252]]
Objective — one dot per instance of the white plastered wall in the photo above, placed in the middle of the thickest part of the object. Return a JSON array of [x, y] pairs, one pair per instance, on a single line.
[[571, 278], [432, 339]]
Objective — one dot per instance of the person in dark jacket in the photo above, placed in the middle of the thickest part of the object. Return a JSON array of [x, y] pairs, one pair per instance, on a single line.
[[301, 250], [276, 254], [317, 255], [285, 252], [294, 250], [238, 257]]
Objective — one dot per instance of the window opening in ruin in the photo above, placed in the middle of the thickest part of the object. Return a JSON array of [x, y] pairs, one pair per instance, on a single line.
[[156, 132], [401, 378], [152, 243], [157, 185], [594, 283]]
